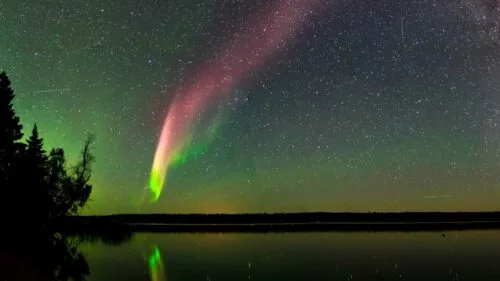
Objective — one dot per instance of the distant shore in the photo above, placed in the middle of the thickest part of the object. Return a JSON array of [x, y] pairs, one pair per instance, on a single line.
[[289, 222]]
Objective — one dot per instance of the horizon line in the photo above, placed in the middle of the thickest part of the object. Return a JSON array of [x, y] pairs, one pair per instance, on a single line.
[[294, 213]]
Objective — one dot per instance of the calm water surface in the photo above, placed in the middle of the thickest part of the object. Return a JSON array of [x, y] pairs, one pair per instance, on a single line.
[[461, 255]]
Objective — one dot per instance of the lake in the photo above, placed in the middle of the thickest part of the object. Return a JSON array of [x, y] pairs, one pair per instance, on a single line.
[[453, 255]]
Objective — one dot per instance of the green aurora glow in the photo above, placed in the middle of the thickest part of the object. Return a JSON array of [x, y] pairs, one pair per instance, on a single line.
[[349, 117]]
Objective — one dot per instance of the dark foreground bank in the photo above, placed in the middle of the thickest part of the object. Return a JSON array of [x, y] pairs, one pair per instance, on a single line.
[[286, 222]]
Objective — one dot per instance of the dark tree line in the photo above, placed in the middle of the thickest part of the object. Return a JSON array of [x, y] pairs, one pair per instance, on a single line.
[[36, 185], [40, 194]]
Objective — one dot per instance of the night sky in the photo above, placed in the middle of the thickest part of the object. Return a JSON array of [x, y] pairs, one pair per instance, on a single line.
[[363, 105]]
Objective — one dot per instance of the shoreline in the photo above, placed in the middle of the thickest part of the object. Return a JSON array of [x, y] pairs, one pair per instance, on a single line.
[[286, 222], [318, 227]]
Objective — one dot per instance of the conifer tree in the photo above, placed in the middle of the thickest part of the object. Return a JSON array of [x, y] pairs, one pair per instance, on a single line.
[[59, 182], [10, 134], [36, 166], [36, 156], [10, 128], [44, 184]]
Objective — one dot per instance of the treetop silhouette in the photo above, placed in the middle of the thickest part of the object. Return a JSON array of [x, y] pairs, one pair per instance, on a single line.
[[10, 128], [47, 186]]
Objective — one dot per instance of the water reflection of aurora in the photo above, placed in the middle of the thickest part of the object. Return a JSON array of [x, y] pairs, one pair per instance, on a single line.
[[156, 268]]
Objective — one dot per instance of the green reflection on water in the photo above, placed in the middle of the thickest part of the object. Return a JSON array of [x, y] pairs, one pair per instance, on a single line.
[[300, 256], [156, 268]]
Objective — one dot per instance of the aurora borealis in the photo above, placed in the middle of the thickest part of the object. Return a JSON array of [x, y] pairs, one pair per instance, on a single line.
[[261, 39], [367, 106]]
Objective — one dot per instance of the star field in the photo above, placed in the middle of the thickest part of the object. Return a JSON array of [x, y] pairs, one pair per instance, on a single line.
[[372, 106]]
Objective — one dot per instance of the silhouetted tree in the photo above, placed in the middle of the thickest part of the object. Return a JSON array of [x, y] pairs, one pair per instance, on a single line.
[[10, 134], [10, 128], [35, 165], [35, 152], [70, 192], [35, 185], [45, 184], [58, 181], [83, 171]]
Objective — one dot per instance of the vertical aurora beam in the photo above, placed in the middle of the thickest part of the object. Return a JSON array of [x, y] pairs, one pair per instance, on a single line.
[[217, 78]]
